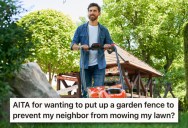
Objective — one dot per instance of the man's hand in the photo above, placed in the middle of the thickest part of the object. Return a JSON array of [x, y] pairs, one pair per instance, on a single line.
[[107, 46], [78, 47], [84, 47]]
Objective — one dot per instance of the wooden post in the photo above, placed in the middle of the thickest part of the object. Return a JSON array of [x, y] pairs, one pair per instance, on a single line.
[[143, 88], [167, 89], [139, 83], [58, 83], [79, 85], [71, 77], [154, 88], [126, 79], [150, 86]]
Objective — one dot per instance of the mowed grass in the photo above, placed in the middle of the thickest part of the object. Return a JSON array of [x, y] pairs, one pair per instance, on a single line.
[[183, 123]]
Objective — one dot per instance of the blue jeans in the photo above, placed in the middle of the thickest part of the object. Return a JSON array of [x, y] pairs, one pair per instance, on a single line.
[[93, 72]]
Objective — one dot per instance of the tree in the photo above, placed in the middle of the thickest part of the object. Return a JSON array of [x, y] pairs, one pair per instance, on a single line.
[[15, 45], [185, 35], [149, 29], [51, 34]]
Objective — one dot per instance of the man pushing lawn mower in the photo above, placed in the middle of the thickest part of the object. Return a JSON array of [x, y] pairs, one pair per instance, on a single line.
[[92, 62]]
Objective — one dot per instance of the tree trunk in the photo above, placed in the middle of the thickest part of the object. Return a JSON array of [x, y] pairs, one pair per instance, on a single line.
[[50, 72], [185, 34], [169, 62]]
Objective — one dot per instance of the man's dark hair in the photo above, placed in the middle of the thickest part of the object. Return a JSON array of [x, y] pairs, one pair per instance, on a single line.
[[94, 4]]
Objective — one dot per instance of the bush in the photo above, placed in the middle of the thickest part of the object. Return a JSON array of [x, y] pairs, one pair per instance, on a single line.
[[14, 45]]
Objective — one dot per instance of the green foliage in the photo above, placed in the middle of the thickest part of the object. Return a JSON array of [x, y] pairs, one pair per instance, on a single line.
[[151, 30], [185, 34], [4, 89], [176, 73], [14, 44], [51, 34]]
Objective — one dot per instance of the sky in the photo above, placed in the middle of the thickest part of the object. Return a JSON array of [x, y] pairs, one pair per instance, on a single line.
[[73, 8]]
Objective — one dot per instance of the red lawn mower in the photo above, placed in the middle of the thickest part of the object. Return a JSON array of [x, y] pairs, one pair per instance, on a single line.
[[113, 91]]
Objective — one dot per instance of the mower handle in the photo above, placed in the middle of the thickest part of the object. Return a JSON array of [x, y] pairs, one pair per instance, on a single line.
[[96, 46]]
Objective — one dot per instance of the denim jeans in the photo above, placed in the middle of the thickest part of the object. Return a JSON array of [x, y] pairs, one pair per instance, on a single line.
[[93, 72]]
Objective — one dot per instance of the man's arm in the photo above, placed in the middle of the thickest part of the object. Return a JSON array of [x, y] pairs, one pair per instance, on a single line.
[[75, 41], [108, 40], [76, 47]]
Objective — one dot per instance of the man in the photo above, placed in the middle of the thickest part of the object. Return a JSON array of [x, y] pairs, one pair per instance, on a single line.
[[94, 60]]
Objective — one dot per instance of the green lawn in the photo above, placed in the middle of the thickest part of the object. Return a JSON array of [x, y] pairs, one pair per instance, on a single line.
[[183, 123]]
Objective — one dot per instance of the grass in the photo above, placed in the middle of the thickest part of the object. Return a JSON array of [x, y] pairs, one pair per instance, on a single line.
[[183, 123]]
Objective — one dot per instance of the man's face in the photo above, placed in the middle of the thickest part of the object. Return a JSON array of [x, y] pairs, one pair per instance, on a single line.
[[93, 13]]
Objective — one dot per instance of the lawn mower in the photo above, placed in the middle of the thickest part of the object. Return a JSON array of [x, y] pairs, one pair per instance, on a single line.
[[112, 91]]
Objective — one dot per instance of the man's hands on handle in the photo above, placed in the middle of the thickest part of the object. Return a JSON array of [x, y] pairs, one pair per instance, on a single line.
[[86, 47], [78, 47], [107, 46]]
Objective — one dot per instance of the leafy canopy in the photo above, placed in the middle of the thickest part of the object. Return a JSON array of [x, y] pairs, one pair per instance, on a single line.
[[51, 33]]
